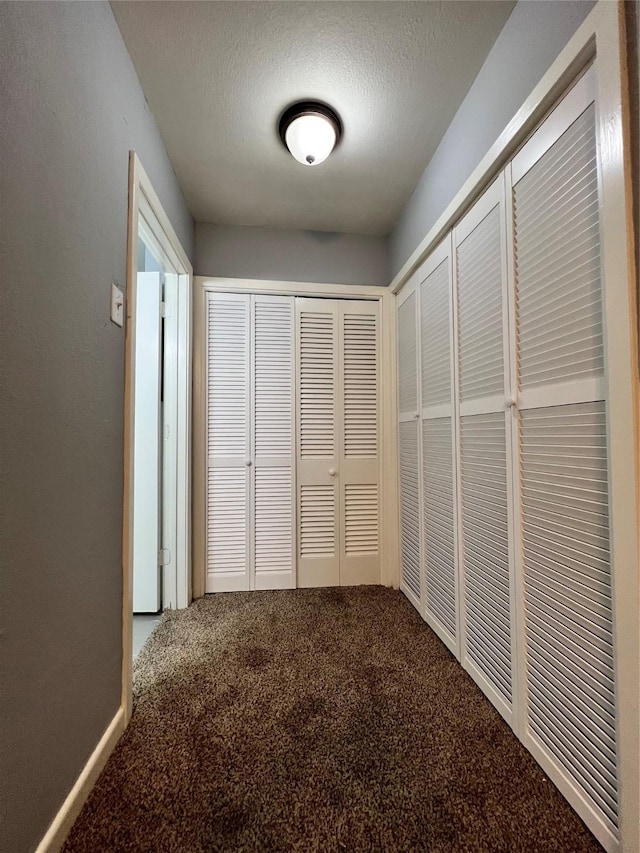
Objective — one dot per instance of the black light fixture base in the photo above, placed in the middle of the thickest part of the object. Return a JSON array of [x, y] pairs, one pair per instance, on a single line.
[[302, 108]]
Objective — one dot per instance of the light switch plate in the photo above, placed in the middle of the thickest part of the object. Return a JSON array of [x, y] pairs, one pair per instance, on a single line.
[[117, 305]]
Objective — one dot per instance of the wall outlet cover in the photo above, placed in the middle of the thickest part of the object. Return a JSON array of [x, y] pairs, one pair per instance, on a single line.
[[117, 305]]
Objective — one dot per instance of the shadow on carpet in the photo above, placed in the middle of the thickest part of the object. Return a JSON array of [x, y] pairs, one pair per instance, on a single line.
[[316, 720]]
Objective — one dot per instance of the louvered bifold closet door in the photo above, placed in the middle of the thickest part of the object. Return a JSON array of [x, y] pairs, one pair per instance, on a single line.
[[408, 437], [273, 384], [318, 419], [563, 514], [440, 575], [228, 442], [359, 462], [487, 593]]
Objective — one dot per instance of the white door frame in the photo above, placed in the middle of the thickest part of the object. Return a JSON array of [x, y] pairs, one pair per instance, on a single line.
[[389, 541], [144, 205]]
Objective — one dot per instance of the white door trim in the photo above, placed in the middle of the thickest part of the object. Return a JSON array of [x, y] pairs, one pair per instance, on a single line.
[[389, 544], [142, 198]]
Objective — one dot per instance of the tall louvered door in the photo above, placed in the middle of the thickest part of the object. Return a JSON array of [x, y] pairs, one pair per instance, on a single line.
[[228, 540], [318, 415], [440, 573], [564, 565], [273, 390], [487, 594], [359, 468], [408, 416]]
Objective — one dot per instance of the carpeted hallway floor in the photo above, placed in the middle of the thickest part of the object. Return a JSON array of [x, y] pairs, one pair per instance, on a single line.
[[316, 720]]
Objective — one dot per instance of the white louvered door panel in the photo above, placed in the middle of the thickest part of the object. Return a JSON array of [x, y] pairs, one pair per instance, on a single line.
[[564, 566], [567, 591], [228, 442], [440, 574], [487, 587], [359, 461], [273, 383], [318, 420], [409, 447]]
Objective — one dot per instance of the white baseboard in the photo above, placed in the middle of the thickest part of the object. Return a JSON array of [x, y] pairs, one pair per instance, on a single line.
[[70, 809]]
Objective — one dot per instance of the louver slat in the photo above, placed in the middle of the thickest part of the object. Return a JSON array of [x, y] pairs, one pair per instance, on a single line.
[[361, 519], [486, 548], [227, 532], [273, 377], [227, 521], [407, 357], [479, 279], [436, 337], [557, 261], [317, 385], [439, 534], [440, 588], [567, 585], [317, 521], [228, 348], [273, 389], [409, 509], [273, 520], [360, 365]]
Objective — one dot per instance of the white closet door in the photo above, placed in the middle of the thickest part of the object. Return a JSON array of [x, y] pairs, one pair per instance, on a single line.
[[565, 565], [488, 618], [438, 442], [408, 415], [359, 467], [319, 414], [147, 445], [273, 388], [228, 442]]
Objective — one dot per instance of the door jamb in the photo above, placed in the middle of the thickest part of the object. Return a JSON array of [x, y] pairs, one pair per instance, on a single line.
[[141, 192]]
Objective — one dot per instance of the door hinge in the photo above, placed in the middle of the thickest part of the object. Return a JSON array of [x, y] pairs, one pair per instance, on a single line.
[[164, 557], [164, 310]]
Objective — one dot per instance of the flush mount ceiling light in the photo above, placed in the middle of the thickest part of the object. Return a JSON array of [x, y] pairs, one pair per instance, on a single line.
[[310, 130]]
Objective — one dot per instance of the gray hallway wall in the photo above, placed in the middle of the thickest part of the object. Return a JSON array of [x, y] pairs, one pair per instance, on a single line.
[[71, 108], [532, 38], [233, 251]]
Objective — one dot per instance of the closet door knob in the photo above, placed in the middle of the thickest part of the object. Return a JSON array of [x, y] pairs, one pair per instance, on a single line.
[[332, 472], [248, 463], [510, 403]]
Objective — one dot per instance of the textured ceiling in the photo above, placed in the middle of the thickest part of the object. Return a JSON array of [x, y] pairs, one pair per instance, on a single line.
[[217, 75]]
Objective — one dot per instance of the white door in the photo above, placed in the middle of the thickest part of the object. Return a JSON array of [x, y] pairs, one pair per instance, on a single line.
[[486, 583], [318, 419], [250, 438], [338, 449], [273, 442], [286, 373], [438, 431], [358, 432], [229, 551], [565, 561], [147, 444], [409, 446], [169, 445]]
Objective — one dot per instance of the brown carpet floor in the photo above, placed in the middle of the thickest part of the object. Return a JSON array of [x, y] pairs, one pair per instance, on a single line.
[[316, 720]]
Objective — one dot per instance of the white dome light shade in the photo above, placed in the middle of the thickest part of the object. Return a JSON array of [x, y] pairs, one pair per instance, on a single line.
[[310, 138], [310, 131]]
